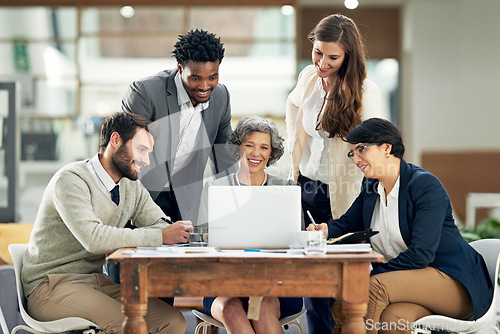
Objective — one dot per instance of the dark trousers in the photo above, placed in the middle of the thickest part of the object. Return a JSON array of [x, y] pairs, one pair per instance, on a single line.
[[319, 315], [168, 203], [315, 198]]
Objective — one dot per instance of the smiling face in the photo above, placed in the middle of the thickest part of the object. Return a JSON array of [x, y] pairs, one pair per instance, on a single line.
[[327, 57], [133, 155], [199, 79], [371, 160], [255, 152]]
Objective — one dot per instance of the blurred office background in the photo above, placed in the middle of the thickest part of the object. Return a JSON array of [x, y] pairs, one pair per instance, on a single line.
[[436, 62]]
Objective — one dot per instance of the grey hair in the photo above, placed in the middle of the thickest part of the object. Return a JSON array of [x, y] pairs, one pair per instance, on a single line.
[[250, 124]]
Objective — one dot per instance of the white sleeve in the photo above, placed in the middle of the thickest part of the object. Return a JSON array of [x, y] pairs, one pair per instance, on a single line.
[[372, 101]]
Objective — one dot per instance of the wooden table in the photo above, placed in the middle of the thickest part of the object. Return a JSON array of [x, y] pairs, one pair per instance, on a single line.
[[343, 276]]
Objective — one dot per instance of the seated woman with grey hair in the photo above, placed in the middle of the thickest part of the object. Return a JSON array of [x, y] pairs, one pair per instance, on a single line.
[[257, 144]]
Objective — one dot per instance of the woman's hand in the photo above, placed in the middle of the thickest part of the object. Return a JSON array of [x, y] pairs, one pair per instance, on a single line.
[[178, 232], [321, 227]]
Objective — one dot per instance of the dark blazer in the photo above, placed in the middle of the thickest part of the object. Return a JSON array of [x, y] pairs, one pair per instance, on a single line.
[[428, 229], [155, 98]]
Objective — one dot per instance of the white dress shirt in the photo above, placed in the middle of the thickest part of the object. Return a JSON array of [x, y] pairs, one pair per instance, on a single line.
[[385, 219], [190, 125], [101, 177], [315, 154]]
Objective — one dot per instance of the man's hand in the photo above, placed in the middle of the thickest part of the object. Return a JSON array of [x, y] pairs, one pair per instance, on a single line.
[[178, 232]]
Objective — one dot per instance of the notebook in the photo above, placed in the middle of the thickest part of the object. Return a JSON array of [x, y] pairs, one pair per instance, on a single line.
[[253, 216]]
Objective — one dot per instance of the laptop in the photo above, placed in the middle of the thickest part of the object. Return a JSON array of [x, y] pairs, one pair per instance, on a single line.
[[241, 217]]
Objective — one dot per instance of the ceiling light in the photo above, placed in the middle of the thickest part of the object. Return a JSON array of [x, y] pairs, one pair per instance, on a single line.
[[127, 12], [287, 10], [351, 4]]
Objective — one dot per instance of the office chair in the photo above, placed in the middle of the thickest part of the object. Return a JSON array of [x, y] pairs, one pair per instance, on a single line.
[[490, 250], [35, 326], [208, 321], [3, 323]]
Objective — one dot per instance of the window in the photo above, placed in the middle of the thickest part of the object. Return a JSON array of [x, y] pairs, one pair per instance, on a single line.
[[74, 64]]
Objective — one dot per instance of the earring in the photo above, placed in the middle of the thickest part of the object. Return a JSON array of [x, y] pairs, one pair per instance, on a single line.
[[387, 155]]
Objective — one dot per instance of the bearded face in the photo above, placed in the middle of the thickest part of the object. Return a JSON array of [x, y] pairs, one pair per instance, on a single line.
[[124, 163], [133, 155]]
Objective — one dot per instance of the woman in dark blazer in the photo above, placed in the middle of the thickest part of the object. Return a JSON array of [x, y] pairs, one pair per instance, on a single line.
[[429, 268]]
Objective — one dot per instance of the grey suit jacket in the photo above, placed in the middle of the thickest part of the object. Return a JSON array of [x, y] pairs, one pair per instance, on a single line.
[[155, 98]]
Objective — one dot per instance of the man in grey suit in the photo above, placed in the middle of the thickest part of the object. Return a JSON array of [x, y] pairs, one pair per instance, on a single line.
[[193, 113]]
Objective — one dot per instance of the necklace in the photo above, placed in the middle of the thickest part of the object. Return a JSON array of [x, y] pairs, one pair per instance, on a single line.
[[238, 180]]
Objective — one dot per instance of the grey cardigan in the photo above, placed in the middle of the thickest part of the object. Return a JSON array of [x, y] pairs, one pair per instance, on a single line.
[[77, 224]]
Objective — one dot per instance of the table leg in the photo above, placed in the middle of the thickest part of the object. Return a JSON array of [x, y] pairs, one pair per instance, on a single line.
[[355, 291], [133, 277], [354, 318]]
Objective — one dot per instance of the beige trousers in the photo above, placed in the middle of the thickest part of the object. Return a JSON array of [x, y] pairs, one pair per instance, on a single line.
[[97, 298], [398, 298]]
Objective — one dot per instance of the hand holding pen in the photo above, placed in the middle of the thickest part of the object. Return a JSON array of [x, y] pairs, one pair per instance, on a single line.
[[317, 227], [312, 220], [177, 232]]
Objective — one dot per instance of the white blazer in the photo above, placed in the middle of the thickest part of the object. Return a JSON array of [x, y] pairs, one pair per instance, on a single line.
[[344, 177]]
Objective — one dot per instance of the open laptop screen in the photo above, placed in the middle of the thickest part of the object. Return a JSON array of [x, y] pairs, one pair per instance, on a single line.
[[253, 216]]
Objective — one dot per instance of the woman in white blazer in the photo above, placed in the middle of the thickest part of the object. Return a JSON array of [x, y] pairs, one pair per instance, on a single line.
[[332, 96]]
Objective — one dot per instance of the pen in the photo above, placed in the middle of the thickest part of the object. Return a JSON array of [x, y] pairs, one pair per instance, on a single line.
[[312, 220], [167, 220], [265, 250]]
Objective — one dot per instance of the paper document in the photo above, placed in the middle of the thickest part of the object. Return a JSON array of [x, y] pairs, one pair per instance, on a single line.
[[349, 248], [165, 251]]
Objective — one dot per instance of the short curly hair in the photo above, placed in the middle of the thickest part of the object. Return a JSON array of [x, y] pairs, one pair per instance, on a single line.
[[199, 46], [250, 124]]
